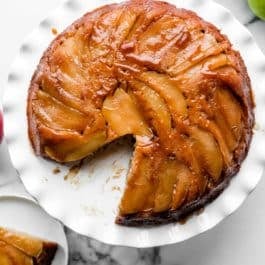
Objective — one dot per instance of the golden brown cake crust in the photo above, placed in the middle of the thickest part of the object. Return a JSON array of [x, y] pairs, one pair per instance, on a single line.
[[223, 69], [47, 255]]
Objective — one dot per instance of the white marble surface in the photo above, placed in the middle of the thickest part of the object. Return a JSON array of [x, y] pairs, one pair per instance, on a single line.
[[237, 240]]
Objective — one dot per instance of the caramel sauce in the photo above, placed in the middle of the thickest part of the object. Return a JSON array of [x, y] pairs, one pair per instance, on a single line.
[[56, 170], [1, 127], [92, 211]]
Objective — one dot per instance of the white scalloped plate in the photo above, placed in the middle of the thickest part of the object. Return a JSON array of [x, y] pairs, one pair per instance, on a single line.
[[88, 202], [25, 216]]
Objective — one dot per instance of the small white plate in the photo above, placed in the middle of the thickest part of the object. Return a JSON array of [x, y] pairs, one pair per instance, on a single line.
[[87, 203], [25, 216]]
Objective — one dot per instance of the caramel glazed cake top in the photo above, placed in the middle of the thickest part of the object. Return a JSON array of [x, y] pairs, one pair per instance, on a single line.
[[21, 249], [162, 74]]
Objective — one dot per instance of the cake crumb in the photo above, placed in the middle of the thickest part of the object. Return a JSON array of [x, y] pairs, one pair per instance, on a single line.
[[91, 170], [184, 220], [114, 188], [117, 169], [92, 211], [257, 127], [44, 179], [201, 210], [54, 31], [117, 173], [56, 170], [73, 171]]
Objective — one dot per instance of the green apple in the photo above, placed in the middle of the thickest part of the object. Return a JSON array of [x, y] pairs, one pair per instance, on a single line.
[[258, 7]]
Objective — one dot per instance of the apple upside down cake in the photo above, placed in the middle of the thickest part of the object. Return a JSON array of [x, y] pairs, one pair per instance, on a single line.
[[21, 249], [161, 74]]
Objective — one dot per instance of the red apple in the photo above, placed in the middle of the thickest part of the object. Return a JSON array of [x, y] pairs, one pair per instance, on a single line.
[[1, 127]]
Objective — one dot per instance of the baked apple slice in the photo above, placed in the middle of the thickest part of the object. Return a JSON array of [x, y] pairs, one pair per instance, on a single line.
[[196, 52], [167, 177], [188, 187], [208, 152], [21, 249], [168, 91], [67, 146], [231, 110], [69, 69], [181, 187], [56, 115], [59, 88], [123, 115], [61, 124], [155, 109], [10, 255], [142, 179], [226, 130]]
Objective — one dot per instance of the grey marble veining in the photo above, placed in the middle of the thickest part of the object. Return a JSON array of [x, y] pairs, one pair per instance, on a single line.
[[84, 251]]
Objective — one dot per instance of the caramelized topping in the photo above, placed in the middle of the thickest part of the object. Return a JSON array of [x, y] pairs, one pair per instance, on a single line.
[[20, 249], [153, 71], [120, 108], [9, 255], [31, 246]]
